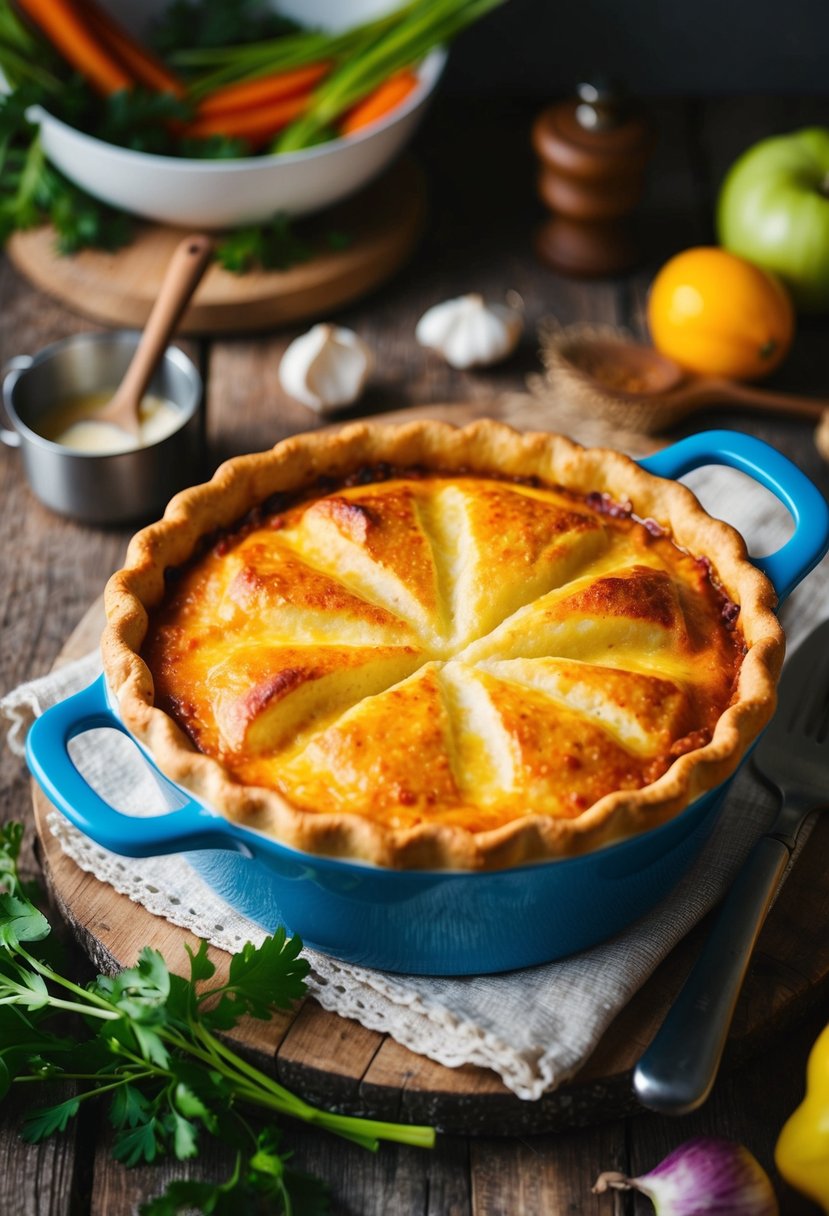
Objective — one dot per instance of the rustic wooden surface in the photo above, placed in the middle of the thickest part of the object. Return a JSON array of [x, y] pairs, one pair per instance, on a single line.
[[380, 227], [479, 237]]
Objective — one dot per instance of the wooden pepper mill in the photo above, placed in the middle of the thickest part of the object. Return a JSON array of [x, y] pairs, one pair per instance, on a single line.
[[593, 151]]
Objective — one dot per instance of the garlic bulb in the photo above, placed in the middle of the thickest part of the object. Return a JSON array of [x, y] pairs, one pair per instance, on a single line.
[[469, 332], [325, 368]]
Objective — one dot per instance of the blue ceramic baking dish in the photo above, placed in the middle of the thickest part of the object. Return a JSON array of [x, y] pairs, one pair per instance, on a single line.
[[433, 922]]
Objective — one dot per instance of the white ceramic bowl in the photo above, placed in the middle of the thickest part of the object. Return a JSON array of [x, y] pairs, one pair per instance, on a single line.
[[247, 190]]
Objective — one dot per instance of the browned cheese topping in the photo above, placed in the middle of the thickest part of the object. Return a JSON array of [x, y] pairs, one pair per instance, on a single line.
[[454, 650]]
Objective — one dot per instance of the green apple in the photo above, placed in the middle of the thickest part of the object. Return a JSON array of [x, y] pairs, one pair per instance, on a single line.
[[773, 210]]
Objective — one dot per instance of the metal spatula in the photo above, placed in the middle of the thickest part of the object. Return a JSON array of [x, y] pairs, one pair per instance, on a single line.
[[676, 1073]]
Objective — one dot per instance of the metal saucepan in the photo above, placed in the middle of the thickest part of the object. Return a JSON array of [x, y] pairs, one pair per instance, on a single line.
[[99, 488]]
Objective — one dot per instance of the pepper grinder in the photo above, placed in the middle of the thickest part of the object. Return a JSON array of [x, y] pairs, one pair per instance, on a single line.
[[593, 150]]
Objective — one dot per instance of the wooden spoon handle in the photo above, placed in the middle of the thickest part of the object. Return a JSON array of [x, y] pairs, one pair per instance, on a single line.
[[727, 392], [183, 274]]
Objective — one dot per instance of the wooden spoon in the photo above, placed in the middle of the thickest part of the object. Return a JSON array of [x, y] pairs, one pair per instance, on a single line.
[[636, 386], [183, 275]]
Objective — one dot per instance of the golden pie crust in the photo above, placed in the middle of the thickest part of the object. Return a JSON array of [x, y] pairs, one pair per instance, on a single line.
[[487, 648]]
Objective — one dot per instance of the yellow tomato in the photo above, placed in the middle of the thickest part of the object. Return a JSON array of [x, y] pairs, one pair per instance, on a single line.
[[719, 315]]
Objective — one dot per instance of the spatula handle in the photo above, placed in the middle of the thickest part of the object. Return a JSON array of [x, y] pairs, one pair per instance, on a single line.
[[677, 1072], [183, 274]]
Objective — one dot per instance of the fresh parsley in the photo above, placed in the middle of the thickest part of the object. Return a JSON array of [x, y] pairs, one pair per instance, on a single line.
[[276, 245], [270, 246], [146, 1042], [32, 191], [217, 23]]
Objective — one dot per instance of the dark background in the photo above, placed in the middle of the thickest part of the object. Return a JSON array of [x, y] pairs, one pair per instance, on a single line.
[[663, 47], [541, 48]]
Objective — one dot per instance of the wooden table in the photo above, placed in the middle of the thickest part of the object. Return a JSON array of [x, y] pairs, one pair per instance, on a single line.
[[479, 238]]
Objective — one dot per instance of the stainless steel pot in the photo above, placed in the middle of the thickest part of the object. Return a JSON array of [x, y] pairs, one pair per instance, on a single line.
[[99, 488]]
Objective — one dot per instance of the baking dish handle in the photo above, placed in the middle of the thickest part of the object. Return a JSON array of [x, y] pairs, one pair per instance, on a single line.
[[804, 501], [192, 826]]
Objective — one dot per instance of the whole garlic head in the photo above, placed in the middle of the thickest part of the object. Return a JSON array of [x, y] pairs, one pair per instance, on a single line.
[[325, 368], [469, 332]]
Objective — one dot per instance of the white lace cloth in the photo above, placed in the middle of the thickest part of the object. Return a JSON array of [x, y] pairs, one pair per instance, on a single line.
[[535, 1027]]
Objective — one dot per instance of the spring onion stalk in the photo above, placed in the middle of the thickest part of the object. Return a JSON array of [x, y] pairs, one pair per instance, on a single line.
[[703, 1177], [21, 55], [248, 61], [425, 24]]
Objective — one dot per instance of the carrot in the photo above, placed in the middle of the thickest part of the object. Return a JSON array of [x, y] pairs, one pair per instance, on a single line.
[[253, 125], [147, 68], [263, 91], [379, 103], [64, 27]]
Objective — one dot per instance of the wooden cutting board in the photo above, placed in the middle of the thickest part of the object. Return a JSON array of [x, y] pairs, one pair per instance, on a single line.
[[381, 225], [338, 1063]]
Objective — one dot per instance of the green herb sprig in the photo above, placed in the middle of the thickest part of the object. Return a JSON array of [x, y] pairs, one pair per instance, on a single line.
[[216, 23], [149, 1046]]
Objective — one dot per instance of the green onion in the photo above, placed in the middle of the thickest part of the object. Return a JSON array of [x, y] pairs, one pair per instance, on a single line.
[[422, 26]]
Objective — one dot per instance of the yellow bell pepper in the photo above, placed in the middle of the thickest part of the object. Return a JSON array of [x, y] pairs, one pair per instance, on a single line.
[[802, 1151]]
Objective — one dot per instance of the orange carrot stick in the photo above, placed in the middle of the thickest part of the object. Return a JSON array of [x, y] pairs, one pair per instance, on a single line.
[[147, 68], [64, 27], [379, 103], [255, 126], [263, 91]]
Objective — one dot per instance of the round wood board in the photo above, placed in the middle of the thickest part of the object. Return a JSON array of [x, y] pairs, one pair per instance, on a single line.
[[381, 223], [340, 1064]]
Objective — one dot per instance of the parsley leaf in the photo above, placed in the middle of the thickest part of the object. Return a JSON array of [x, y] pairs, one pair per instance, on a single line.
[[142, 988], [140, 994], [271, 246], [44, 1122], [11, 837], [80, 221], [183, 1196], [137, 1144], [24, 988], [276, 245], [32, 191], [217, 23], [260, 979], [184, 1135], [20, 921], [263, 1184], [139, 119], [191, 1105], [201, 966], [129, 1107]]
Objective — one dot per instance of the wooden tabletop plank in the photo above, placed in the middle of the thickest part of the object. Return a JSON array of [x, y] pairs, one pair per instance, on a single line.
[[331, 1058], [37, 1179], [397, 1179], [544, 1174], [117, 1191]]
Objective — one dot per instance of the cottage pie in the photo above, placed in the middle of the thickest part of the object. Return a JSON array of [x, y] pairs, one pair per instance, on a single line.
[[430, 647]]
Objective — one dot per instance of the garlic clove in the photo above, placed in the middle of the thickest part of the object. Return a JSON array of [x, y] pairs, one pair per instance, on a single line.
[[707, 1176], [325, 368], [470, 332]]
